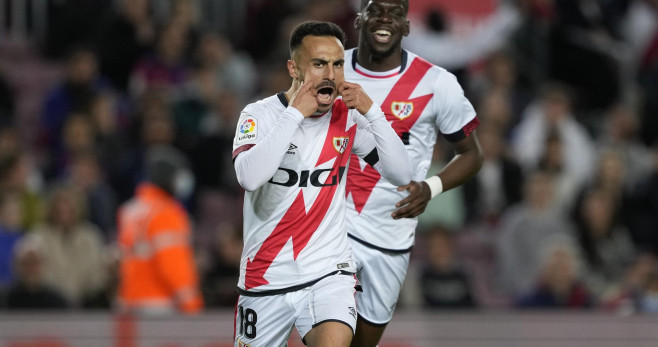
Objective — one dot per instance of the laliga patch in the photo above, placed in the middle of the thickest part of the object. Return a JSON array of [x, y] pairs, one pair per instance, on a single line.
[[247, 130], [402, 110], [340, 144], [242, 344]]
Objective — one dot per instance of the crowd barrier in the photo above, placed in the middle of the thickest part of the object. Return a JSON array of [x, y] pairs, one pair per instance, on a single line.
[[408, 329]]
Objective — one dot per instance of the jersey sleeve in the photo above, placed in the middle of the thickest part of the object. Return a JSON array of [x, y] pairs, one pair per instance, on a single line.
[[456, 117], [258, 148], [378, 144]]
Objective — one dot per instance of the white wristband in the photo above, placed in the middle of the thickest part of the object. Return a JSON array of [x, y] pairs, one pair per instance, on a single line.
[[435, 184]]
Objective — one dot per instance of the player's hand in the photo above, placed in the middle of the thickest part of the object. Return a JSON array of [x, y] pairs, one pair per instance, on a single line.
[[355, 97], [304, 99], [414, 204]]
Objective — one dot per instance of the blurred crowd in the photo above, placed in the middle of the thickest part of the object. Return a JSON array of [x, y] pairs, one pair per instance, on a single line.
[[563, 214]]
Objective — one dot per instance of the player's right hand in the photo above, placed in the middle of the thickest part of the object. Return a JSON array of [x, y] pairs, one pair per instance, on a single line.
[[415, 203], [304, 99]]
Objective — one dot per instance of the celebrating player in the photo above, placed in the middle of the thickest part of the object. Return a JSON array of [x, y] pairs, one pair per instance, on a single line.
[[291, 153], [420, 100]]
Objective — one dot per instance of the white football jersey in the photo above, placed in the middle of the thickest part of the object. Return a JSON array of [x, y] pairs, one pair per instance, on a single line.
[[294, 224], [419, 100]]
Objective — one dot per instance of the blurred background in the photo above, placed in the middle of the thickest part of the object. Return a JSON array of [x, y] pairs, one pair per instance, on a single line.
[[562, 217]]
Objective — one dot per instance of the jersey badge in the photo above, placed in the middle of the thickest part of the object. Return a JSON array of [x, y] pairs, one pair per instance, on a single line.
[[242, 344], [247, 130], [340, 144], [401, 109], [291, 149]]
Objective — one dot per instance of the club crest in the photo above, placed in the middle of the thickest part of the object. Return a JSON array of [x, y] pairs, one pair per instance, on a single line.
[[402, 110], [340, 144]]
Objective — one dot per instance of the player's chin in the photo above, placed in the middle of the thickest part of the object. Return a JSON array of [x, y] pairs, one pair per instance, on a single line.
[[322, 108]]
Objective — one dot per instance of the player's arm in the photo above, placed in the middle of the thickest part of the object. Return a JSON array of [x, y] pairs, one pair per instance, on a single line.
[[463, 166], [457, 121], [257, 160], [384, 149]]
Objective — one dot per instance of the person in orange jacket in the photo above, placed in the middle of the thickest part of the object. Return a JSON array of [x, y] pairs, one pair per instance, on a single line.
[[157, 273]]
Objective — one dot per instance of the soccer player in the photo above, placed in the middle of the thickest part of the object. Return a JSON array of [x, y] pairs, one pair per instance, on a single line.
[[291, 153], [420, 100]]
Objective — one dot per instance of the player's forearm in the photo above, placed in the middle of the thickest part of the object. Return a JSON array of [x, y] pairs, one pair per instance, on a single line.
[[257, 165], [462, 167], [393, 162]]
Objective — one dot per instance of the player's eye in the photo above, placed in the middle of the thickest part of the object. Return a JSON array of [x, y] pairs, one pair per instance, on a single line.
[[318, 64], [338, 64]]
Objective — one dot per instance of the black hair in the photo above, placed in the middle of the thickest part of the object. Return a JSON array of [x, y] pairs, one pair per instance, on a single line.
[[162, 164], [364, 3], [314, 28]]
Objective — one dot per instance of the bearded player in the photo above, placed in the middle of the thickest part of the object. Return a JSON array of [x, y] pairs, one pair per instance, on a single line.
[[291, 152], [420, 100]]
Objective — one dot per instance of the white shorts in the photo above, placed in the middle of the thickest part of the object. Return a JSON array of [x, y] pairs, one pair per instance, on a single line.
[[381, 275], [268, 320]]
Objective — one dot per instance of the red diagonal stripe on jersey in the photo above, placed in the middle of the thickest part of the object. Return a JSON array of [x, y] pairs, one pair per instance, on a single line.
[[360, 183], [296, 223]]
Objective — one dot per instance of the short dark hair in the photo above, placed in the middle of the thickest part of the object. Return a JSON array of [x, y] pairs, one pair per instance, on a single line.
[[314, 28], [364, 3]]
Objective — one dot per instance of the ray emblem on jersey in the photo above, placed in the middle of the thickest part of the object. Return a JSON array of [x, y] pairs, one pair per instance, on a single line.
[[340, 144], [361, 181], [402, 110], [298, 223]]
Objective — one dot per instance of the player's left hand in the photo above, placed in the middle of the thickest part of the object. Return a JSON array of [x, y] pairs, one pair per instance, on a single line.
[[355, 97], [414, 204]]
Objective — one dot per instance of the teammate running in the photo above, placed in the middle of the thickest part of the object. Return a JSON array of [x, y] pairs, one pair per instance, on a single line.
[[420, 100]]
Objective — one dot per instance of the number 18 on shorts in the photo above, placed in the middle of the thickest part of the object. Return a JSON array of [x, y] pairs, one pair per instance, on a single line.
[[268, 320]]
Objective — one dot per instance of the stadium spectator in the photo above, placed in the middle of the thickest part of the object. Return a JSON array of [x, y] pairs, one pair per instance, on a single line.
[[30, 290], [559, 283], [499, 183], [73, 249], [166, 69], [606, 244], [444, 283], [122, 37], [523, 229], [11, 231], [73, 94]]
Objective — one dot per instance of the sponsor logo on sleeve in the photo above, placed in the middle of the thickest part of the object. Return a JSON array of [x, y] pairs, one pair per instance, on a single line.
[[247, 130], [402, 110], [340, 144]]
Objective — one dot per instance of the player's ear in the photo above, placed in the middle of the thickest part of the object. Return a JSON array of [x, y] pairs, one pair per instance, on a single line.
[[406, 30], [292, 68], [357, 22]]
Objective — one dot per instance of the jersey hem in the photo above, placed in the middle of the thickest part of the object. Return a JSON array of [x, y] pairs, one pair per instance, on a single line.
[[381, 249], [293, 288]]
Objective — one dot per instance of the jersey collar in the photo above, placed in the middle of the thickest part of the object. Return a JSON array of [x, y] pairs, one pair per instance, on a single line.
[[403, 64]]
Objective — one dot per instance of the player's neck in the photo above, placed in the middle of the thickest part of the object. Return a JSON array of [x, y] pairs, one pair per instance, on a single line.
[[366, 59]]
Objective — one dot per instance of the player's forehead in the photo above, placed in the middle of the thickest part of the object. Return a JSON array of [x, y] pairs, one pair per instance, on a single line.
[[390, 4], [322, 47]]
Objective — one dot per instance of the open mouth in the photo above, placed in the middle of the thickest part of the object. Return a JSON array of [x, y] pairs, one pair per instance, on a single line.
[[382, 35], [325, 93]]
